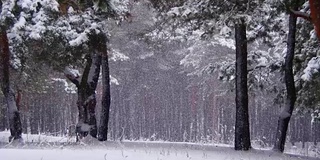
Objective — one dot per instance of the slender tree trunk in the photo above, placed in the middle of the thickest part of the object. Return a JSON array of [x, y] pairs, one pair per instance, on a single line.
[[287, 109], [105, 103], [14, 115], [316, 131], [242, 131], [3, 118]]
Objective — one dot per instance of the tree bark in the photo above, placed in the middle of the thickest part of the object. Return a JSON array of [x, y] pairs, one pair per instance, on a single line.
[[86, 95], [242, 131], [316, 131], [105, 103], [287, 110], [14, 115], [315, 15]]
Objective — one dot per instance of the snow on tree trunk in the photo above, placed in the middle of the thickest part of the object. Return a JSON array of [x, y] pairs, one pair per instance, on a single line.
[[287, 109], [82, 127], [14, 115], [105, 103], [242, 132], [86, 94], [91, 101]]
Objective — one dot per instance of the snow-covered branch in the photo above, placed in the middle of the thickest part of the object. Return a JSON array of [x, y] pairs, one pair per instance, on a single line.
[[73, 75], [312, 68]]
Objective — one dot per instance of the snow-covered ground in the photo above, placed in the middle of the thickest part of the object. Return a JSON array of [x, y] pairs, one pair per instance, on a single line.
[[114, 153], [41, 138], [40, 147]]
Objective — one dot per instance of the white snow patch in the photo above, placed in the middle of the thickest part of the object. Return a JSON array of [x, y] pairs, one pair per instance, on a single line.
[[116, 55], [82, 37], [174, 11], [20, 24], [113, 80], [73, 73], [90, 148], [84, 127], [71, 10], [68, 87], [120, 6], [311, 69], [227, 42], [144, 56], [40, 138], [225, 31], [143, 151]]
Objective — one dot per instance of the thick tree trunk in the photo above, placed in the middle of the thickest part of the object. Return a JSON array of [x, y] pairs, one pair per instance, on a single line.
[[92, 83], [105, 104], [242, 132], [14, 115], [86, 95], [286, 111], [82, 126], [315, 15]]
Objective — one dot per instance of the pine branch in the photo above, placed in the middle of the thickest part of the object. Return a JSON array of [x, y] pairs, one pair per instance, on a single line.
[[74, 78]]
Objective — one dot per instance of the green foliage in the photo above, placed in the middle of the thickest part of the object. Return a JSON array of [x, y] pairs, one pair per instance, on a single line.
[[55, 53]]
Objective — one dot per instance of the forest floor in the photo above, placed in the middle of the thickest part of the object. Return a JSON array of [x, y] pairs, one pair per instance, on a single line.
[[41, 147]]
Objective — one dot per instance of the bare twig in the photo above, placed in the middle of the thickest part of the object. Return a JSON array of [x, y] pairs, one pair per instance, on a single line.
[[105, 156]]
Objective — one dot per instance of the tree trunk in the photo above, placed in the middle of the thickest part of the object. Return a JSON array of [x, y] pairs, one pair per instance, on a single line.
[[105, 103], [14, 115], [242, 131], [316, 131], [287, 109], [86, 95], [315, 15]]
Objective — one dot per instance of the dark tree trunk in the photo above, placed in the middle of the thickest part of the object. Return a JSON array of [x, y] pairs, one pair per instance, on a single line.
[[91, 99], [286, 111], [86, 95], [14, 115], [316, 131], [3, 118], [105, 103], [242, 131], [34, 115], [87, 86]]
